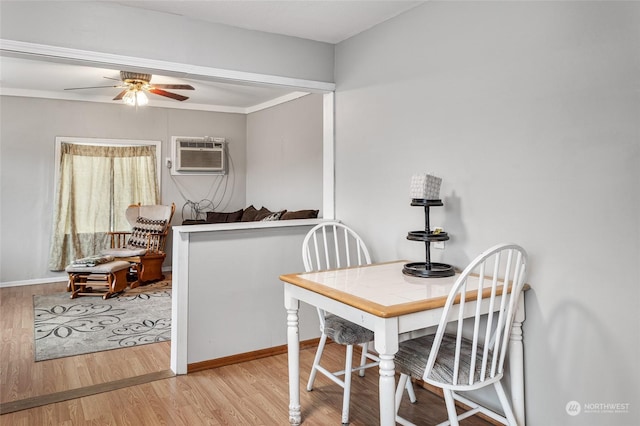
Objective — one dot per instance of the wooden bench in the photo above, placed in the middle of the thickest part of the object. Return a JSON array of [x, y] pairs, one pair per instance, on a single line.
[[112, 275]]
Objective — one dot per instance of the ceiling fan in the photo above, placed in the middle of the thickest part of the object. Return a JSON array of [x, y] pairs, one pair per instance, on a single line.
[[135, 85]]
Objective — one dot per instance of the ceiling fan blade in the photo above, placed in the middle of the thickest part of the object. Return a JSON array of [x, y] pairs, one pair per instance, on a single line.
[[120, 95], [90, 87], [173, 86], [168, 94]]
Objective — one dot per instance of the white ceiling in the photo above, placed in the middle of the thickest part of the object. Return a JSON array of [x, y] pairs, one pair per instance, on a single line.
[[51, 80], [327, 21], [330, 21]]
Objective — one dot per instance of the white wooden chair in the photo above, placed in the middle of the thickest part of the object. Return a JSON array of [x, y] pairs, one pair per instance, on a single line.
[[453, 362], [332, 245]]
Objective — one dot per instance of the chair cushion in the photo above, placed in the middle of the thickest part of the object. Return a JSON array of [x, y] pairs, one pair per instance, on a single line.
[[103, 268], [124, 252], [154, 211], [413, 354], [92, 260], [345, 332], [142, 229]]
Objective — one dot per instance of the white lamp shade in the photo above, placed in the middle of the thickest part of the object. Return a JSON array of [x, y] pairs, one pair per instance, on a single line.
[[129, 98], [141, 98], [135, 98]]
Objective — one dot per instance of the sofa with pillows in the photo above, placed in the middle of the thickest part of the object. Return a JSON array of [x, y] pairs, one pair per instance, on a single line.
[[251, 214]]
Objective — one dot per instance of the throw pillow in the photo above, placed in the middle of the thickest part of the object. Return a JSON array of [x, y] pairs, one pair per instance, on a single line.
[[300, 214], [222, 217], [194, 222], [262, 213], [142, 229], [273, 216], [249, 214]]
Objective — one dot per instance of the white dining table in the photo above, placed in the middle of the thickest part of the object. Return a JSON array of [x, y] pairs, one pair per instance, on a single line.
[[381, 298]]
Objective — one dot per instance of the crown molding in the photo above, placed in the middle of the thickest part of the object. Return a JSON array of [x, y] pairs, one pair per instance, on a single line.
[[42, 94]]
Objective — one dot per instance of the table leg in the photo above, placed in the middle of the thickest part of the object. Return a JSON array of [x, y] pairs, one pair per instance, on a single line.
[[386, 344], [516, 365], [387, 389], [293, 347]]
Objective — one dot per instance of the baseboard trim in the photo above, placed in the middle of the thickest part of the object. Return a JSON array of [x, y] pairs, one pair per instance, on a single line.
[[247, 356], [37, 281]]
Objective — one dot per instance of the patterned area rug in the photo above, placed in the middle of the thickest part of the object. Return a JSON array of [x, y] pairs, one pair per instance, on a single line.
[[66, 327]]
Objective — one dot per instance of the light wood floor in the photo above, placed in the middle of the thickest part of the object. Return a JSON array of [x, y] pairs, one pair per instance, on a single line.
[[21, 377], [250, 393]]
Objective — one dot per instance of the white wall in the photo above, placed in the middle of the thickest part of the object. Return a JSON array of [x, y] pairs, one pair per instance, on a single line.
[[284, 155], [108, 27], [235, 300], [28, 128], [529, 111]]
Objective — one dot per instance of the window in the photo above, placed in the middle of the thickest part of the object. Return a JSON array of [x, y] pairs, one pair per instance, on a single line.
[[96, 181]]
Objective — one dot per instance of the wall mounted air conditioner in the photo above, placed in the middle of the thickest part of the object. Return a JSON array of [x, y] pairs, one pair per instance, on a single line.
[[199, 155]]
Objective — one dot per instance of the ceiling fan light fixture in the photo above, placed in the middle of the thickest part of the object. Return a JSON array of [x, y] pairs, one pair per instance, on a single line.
[[129, 98], [136, 87], [135, 97], [141, 98]]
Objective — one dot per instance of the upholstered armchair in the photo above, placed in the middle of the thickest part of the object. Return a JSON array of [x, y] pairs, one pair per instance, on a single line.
[[144, 245]]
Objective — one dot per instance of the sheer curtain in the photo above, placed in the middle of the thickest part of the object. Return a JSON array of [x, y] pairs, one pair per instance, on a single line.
[[95, 186]]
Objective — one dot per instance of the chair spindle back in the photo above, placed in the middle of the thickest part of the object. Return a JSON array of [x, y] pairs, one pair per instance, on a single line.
[[487, 327], [332, 245]]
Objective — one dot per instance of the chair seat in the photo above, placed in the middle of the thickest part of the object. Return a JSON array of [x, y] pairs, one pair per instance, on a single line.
[[103, 268], [124, 252], [413, 354], [345, 332]]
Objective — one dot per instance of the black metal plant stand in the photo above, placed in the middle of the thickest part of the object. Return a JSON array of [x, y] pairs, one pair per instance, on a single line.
[[427, 269]]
